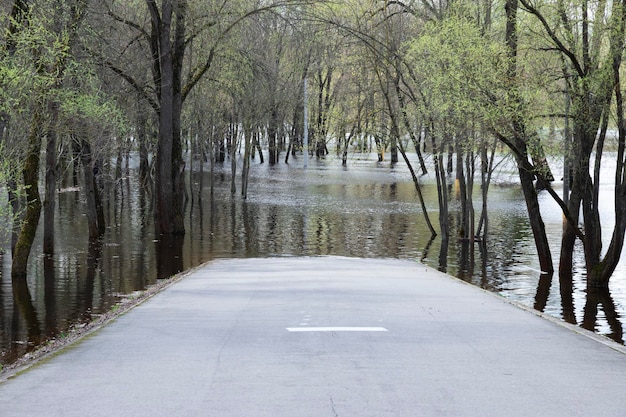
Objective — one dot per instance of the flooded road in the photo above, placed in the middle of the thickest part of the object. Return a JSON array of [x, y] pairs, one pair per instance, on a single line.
[[367, 209]]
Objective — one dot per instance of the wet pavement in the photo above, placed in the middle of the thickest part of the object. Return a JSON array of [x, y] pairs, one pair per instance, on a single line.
[[325, 336]]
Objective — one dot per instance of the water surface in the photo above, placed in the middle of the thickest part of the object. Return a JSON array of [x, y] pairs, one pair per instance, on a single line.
[[367, 209]]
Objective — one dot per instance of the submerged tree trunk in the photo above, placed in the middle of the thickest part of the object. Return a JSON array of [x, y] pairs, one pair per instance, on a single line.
[[233, 133], [418, 189], [469, 208], [272, 136], [324, 102], [168, 52], [486, 170], [245, 172], [95, 221], [599, 275], [461, 189], [16, 210], [30, 221], [256, 144], [442, 190], [144, 166], [51, 181], [519, 146], [536, 221], [344, 142]]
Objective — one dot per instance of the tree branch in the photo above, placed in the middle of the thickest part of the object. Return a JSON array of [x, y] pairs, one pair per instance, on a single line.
[[128, 23], [199, 72], [560, 46], [133, 83], [526, 165]]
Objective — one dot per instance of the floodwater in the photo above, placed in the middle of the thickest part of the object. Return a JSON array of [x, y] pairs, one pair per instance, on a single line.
[[367, 209]]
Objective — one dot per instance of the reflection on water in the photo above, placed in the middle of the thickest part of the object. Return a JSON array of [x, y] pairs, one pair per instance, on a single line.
[[366, 210]]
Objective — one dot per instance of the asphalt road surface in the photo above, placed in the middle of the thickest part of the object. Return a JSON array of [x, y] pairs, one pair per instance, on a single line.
[[328, 336]]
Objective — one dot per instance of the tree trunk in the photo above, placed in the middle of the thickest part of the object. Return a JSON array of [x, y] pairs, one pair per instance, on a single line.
[[168, 56], [165, 206], [442, 192], [599, 276], [469, 209], [144, 166], [51, 181], [95, 220], [535, 219], [257, 145], [407, 125], [486, 169], [233, 133], [461, 189], [245, 172], [418, 189], [30, 172], [345, 142], [272, 133], [520, 149], [16, 210], [212, 160]]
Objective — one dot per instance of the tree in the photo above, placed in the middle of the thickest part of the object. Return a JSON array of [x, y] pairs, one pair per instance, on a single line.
[[167, 41], [11, 82], [45, 49], [590, 40], [448, 76], [93, 120], [173, 25]]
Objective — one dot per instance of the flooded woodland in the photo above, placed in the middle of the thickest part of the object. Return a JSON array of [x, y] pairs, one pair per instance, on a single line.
[[364, 209], [484, 139]]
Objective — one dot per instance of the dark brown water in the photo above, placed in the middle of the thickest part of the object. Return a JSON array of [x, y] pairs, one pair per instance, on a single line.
[[365, 210]]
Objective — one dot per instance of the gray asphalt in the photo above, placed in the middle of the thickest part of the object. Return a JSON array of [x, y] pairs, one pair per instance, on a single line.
[[385, 338]]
